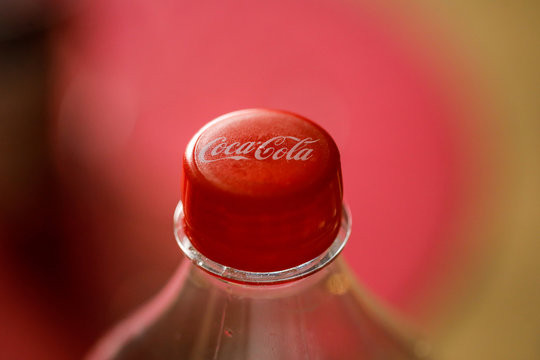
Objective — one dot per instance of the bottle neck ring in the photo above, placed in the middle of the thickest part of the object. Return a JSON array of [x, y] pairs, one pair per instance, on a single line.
[[273, 277]]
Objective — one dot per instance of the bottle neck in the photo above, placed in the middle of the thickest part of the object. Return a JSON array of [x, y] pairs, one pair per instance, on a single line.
[[261, 278], [333, 277]]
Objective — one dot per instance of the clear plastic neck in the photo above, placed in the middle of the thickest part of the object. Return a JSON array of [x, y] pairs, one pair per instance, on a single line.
[[274, 277]]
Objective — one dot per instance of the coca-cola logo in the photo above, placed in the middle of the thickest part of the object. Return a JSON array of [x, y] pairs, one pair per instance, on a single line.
[[278, 147]]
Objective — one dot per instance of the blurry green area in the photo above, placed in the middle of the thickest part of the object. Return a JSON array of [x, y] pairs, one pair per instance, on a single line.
[[499, 317]]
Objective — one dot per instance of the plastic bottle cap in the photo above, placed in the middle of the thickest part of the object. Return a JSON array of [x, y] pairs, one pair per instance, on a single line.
[[262, 190]]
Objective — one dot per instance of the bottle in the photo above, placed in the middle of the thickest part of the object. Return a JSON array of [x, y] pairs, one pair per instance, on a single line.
[[262, 222]]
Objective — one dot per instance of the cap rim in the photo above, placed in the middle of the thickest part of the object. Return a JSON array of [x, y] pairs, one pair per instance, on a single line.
[[251, 277]]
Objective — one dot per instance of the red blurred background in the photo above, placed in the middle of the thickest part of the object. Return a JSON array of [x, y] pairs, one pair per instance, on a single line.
[[99, 100]]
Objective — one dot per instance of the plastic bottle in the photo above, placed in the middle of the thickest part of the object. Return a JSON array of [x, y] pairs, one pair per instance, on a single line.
[[262, 224]]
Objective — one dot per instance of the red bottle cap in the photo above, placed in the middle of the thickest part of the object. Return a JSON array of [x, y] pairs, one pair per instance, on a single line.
[[262, 190]]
